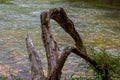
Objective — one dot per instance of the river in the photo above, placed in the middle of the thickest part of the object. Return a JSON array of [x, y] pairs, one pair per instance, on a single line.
[[99, 28]]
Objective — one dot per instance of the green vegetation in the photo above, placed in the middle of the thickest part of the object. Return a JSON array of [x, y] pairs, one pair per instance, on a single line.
[[101, 3], [3, 78], [13, 77], [107, 62], [82, 79], [5, 2]]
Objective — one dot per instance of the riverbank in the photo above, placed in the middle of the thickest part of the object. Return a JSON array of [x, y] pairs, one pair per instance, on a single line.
[[97, 27], [104, 4]]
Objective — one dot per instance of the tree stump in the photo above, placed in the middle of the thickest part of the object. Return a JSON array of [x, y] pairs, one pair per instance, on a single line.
[[55, 60]]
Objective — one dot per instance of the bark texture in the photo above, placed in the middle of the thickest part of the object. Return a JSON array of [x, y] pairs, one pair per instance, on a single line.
[[59, 15], [55, 60], [35, 62]]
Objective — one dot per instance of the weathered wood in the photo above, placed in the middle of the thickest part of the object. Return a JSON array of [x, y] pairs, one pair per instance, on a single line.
[[56, 74], [60, 16], [49, 42], [35, 62], [55, 60]]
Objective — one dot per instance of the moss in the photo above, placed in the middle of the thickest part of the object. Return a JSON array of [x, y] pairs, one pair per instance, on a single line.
[[5, 1]]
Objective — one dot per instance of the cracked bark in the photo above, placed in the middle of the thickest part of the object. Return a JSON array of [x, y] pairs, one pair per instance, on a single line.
[[35, 62], [55, 60]]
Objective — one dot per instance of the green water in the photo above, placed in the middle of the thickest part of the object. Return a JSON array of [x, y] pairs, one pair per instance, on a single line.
[[99, 28]]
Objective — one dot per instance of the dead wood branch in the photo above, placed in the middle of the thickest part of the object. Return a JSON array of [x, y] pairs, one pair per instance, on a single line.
[[35, 62], [55, 60], [60, 16], [49, 42]]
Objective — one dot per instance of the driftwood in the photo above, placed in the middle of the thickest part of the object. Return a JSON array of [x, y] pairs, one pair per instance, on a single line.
[[55, 60], [36, 65]]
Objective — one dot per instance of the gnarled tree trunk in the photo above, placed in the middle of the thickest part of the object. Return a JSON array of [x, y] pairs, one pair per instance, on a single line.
[[55, 60]]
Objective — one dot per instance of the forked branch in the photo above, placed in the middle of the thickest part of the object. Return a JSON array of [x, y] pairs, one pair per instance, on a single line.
[[55, 60]]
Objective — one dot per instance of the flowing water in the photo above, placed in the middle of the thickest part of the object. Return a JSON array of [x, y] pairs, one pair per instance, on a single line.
[[99, 28]]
